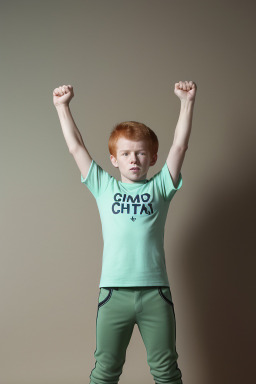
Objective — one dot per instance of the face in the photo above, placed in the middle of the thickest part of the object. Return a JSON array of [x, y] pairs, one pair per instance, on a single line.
[[133, 159]]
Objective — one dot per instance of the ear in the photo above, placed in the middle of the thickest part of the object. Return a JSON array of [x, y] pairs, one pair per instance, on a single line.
[[114, 161], [153, 160]]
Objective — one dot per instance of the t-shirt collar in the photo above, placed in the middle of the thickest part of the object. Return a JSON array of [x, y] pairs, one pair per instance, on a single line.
[[133, 185]]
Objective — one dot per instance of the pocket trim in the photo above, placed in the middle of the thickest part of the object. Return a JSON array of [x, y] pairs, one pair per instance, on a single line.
[[164, 297], [106, 298]]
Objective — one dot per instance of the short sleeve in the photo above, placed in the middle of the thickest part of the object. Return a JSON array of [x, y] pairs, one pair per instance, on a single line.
[[165, 184], [96, 180]]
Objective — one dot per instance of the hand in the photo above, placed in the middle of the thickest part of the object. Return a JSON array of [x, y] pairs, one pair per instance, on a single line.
[[63, 95], [185, 90]]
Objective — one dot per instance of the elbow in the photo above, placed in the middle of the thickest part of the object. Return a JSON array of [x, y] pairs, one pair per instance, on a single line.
[[182, 148], [180, 145], [72, 149]]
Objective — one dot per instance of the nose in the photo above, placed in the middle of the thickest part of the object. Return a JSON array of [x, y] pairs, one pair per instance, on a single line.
[[133, 158]]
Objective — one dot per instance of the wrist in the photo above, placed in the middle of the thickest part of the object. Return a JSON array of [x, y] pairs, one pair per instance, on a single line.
[[187, 101], [187, 104], [62, 106]]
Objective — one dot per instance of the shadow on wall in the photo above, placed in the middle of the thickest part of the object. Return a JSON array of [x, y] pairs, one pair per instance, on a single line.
[[217, 268]]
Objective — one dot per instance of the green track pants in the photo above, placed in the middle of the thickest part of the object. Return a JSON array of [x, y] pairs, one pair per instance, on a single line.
[[119, 309]]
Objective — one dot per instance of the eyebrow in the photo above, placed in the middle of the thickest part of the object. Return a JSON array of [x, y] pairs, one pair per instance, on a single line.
[[128, 150]]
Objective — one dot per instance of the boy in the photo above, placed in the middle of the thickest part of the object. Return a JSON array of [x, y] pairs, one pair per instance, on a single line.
[[134, 286]]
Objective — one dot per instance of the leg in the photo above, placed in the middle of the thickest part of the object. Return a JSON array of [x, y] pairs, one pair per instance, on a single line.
[[157, 326], [114, 326]]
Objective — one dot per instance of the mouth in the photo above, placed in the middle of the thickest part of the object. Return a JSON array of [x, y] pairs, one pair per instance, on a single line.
[[134, 169]]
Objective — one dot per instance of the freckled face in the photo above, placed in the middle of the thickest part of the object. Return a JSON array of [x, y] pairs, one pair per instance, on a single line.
[[133, 159]]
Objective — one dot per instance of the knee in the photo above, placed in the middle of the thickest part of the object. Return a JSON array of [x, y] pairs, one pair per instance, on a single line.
[[107, 370], [166, 372]]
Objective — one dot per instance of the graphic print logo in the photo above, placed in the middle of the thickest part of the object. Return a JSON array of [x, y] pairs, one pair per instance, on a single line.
[[138, 205]]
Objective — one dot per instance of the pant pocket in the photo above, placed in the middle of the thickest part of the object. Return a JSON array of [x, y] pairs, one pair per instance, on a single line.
[[165, 294], [104, 296]]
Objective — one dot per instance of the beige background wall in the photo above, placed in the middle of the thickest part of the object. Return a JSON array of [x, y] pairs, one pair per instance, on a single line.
[[123, 58]]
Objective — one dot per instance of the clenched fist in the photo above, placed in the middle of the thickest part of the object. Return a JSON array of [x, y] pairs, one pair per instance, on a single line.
[[185, 90], [63, 95]]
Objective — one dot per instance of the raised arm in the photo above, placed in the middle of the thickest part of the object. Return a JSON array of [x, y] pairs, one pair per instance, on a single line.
[[186, 91], [61, 100]]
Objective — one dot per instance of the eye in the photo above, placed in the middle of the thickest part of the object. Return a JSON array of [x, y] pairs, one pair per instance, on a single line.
[[142, 153]]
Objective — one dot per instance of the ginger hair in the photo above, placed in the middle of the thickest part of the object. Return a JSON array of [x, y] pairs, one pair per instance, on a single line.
[[133, 130]]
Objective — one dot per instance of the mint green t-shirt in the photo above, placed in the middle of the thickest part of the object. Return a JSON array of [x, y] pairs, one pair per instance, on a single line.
[[133, 217]]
